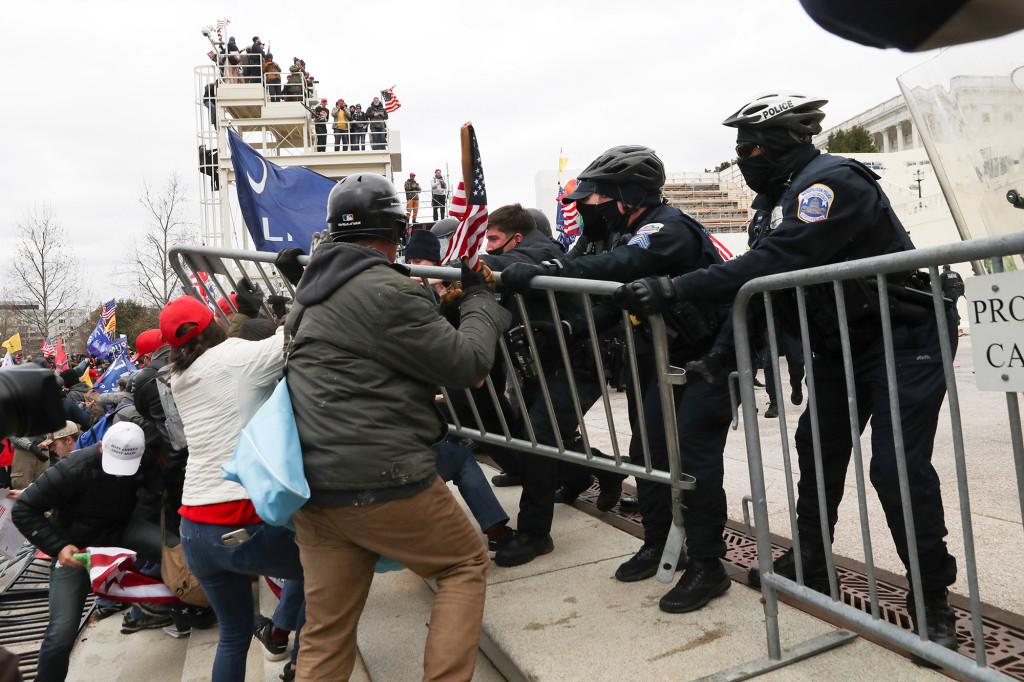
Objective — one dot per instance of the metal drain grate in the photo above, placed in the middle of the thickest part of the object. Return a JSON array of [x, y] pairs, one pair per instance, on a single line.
[[1004, 642], [24, 607]]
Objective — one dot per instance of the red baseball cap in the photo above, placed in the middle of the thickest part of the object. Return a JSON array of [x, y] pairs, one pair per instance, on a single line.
[[223, 303], [181, 311], [148, 341]]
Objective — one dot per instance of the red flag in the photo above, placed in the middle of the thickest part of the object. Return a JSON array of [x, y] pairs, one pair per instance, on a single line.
[[59, 357], [470, 208]]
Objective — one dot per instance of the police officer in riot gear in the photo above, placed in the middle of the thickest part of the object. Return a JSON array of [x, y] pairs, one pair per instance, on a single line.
[[629, 230], [815, 209]]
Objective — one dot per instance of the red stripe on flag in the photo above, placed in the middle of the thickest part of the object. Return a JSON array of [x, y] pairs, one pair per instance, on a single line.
[[725, 253]]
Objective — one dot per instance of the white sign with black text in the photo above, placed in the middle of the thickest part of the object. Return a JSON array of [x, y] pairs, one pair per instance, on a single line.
[[995, 312]]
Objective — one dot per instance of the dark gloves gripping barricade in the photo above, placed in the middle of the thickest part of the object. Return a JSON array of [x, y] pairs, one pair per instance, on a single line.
[[279, 302], [287, 263], [476, 283], [249, 299], [516, 277], [712, 367], [647, 296]]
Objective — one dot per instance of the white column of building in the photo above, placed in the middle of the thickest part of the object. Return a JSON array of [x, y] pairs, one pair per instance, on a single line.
[[899, 136], [885, 141], [913, 135]]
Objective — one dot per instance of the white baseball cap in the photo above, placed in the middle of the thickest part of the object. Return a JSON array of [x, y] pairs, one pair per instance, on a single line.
[[122, 446]]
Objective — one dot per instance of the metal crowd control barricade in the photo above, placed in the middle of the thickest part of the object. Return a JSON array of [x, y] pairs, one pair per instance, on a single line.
[[773, 583], [214, 273]]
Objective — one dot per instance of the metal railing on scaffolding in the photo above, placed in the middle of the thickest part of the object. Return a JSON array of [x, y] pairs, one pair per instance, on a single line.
[[524, 397], [838, 385]]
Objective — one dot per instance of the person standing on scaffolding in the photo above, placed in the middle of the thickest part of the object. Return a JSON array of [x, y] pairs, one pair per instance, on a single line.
[[816, 209]]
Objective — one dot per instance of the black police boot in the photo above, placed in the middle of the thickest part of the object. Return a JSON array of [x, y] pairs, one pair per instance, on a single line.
[[629, 503], [523, 548], [702, 581], [815, 573], [772, 412], [611, 489], [797, 396], [568, 493], [941, 622], [505, 480], [641, 565]]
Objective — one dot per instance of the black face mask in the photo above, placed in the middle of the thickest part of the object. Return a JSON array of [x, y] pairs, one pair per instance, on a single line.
[[594, 226], [757, 172], [497, 251], [613, 219]]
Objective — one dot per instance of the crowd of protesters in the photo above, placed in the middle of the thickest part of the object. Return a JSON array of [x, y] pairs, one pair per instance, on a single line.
[[349, 123], [367, 350]]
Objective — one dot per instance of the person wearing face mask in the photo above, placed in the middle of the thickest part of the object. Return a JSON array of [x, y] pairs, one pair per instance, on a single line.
[[816, 209], [629, 229]]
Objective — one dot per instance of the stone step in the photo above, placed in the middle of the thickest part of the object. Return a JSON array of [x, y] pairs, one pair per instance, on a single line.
[[393, 630]]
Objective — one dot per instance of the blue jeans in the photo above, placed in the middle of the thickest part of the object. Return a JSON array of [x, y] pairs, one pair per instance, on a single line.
[[70, 587], [456, 463], [224, 572]]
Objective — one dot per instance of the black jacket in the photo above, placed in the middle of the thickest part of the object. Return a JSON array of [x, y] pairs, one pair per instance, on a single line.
[[376, 113], [89, 506]]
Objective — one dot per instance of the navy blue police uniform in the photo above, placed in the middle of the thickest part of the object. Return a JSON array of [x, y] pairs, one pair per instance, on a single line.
[[669, 242], [833, 210]]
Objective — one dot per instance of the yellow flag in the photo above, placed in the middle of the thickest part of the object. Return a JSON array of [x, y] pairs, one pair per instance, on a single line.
[[87, 378], [561, 163], [111, 326], [13, 344]]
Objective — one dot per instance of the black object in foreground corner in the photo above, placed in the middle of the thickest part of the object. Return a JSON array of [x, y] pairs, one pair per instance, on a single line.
[[30, 401]]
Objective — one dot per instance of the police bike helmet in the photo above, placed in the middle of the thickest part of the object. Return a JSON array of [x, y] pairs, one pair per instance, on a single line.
[[624, 165], [364, 206], [792, 111], [543, 224]]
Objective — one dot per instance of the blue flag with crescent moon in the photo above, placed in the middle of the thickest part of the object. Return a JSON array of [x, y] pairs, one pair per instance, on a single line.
[[282, 207]]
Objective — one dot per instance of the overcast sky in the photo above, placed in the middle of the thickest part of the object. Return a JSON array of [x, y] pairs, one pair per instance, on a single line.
[[100, 95]]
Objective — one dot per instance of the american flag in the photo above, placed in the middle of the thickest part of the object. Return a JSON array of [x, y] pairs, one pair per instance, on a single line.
[[221, 25], [391, 102], [113, 575], [471, 212], [725, 253], [48, 350], [109, 321]]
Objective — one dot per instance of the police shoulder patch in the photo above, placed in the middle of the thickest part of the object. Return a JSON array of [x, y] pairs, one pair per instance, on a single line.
[[814, 203], [641, 240], [650, 228]]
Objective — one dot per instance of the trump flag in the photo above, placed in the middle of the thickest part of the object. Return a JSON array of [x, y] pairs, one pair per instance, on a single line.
[[282, 207]]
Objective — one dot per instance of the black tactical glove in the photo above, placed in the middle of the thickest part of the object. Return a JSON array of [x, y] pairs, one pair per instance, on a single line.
[[475, 282], [517, 276], [287, 263], [278, 303], [711, 367], [249, 299], [40, 454], [545, 334], [647, 296]]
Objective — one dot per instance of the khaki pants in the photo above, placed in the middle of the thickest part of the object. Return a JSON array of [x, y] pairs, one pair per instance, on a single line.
[[428, 533], [25, 469], [412, 207]]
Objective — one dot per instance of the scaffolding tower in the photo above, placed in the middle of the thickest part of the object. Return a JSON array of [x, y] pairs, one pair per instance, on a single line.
[[282, 131]]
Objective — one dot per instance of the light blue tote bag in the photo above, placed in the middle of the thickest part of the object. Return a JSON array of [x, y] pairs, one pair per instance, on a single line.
[[268, 460]]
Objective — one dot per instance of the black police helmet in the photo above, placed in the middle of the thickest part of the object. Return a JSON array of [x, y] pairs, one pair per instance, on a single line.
[[543, 224], [444, 227], [627, 165], [365, 205]]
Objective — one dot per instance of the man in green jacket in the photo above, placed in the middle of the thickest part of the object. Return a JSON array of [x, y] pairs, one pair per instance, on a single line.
[[369, 352]]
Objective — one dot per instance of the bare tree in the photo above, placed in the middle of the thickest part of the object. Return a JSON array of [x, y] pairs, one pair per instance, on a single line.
[[46, 276], [169, 225]]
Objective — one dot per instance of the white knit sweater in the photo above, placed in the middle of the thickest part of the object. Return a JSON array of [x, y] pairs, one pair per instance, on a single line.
[[216, 397]]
